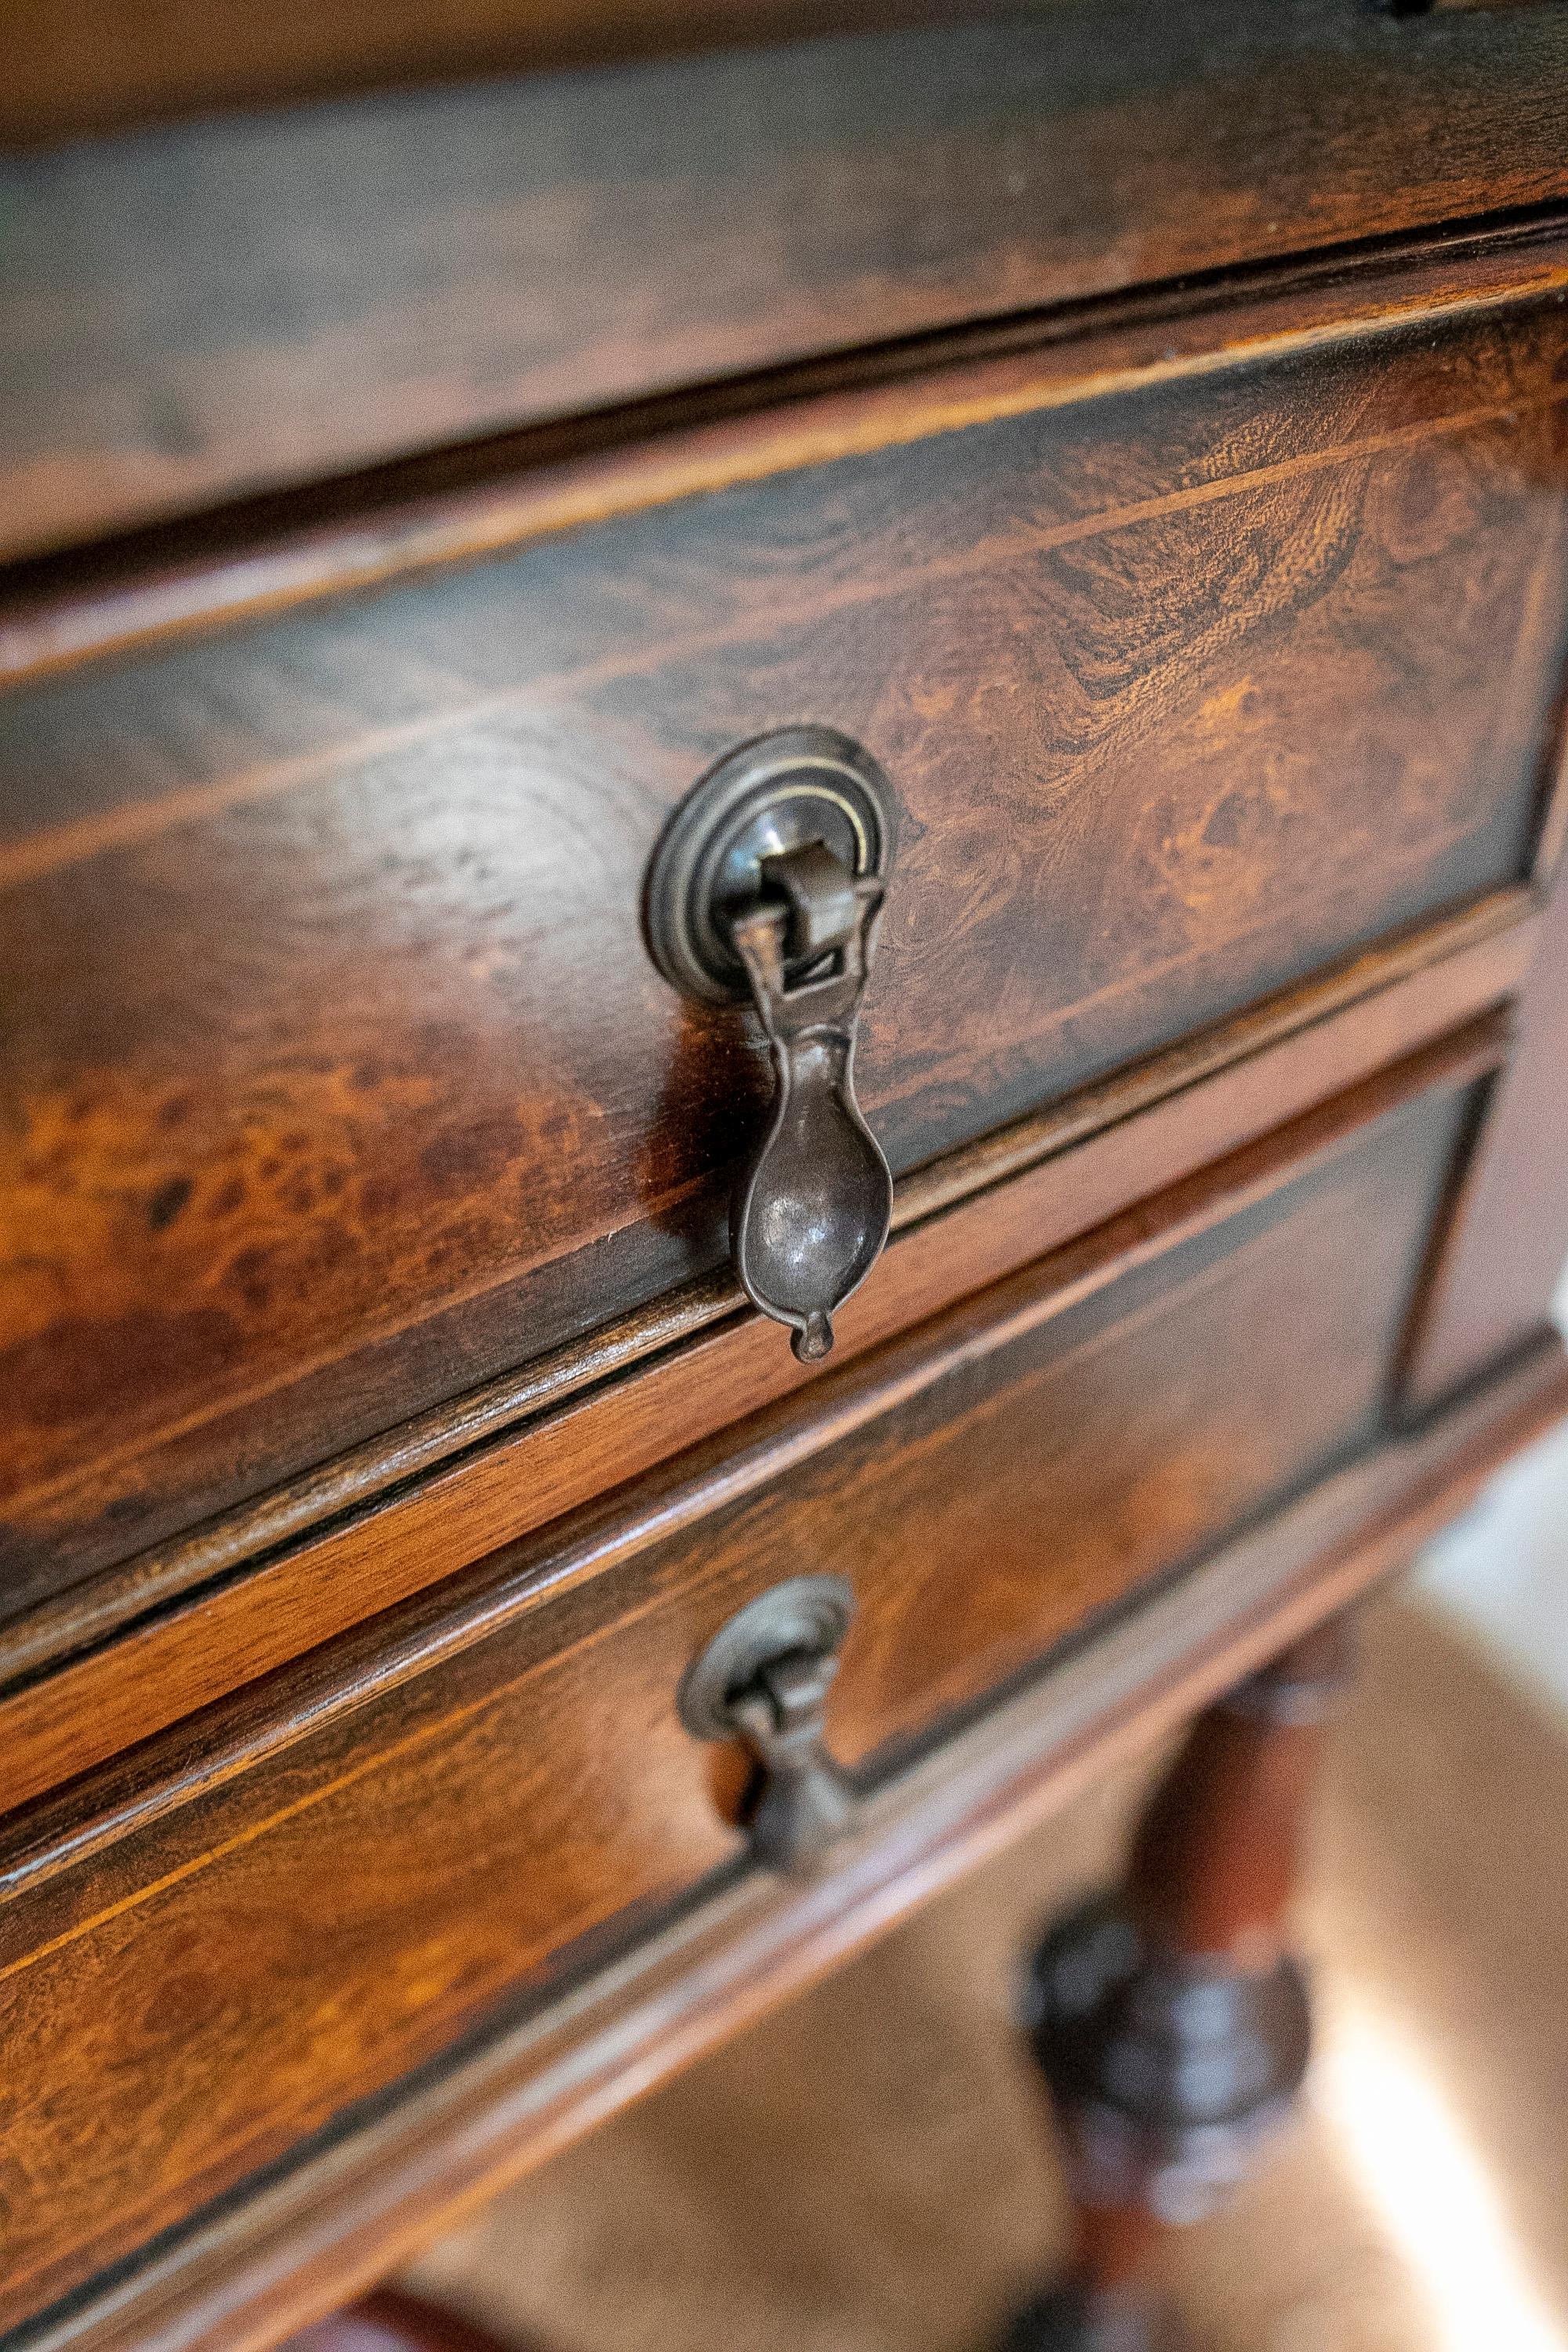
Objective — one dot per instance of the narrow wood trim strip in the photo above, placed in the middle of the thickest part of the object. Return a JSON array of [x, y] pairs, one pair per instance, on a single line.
[[266, 555], [354, 2204], [89, 1711]]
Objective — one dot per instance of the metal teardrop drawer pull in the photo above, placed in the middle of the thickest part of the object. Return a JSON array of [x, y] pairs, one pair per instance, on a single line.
[[763, 1679], [769, 881]]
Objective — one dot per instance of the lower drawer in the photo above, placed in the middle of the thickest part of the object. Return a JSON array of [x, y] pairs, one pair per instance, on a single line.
[[392, 1845]]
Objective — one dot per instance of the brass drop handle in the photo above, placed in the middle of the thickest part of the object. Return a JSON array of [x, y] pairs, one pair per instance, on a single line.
[[769, 881], [764, 1679]]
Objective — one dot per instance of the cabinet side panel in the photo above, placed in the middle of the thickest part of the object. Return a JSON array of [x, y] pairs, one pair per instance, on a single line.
[[1506, 1238]]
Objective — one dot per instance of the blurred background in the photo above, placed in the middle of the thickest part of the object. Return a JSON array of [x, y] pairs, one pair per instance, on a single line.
[[871, 2169]]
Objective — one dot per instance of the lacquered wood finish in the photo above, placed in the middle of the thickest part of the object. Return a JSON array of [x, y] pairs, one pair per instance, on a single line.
[[390, 2322], [83, 69], [1142, 426], [526, 1452], [255, 557], [449, 1825], [359, 2199], [347, 1080], [1171, 2083], [356, 281], [47, 1746], [74, 70]]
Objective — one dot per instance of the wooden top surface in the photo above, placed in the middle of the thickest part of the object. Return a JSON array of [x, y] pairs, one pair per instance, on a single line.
[[83, 65], [253, 302]]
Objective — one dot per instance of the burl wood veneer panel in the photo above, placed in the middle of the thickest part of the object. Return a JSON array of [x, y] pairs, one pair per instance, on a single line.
[[206, 308], [336, 1074], [198, 1994]]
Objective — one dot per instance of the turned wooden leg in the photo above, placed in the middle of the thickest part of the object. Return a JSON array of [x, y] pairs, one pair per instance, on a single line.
[[1170, 2020], [389, 2321]]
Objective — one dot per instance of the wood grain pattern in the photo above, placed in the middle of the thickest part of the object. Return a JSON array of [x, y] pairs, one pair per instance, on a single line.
[[254, 557], [92, 68], [356, 2201], [360, 280], [94, 65], [195, 1643], [346, 1081], [685, 1492], [331, 1917]]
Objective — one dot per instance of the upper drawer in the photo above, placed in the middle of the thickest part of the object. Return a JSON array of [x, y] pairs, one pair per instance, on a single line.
[[337, 1075], [205, 309]]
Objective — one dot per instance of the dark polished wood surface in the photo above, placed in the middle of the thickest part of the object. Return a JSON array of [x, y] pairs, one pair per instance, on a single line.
[[355, 2201], [347, 1079], [396, 2322], [99, 64], [1171, 2020], [344, 1908], [250, 558], [390, 2322], [91, 68], [1142, 426], [119, 1658], [355, 282]]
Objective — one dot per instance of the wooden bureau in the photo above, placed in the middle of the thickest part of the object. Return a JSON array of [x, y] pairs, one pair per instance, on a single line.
[[434, 451]]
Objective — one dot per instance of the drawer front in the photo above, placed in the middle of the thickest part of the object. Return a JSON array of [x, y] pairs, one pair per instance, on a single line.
[[205, 309], [340, 1077], [206, 1989]]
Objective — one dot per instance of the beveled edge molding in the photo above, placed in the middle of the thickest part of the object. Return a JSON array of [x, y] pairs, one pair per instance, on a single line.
[[242, 561], [1410, 988], [363, 2196], [183, 1759]]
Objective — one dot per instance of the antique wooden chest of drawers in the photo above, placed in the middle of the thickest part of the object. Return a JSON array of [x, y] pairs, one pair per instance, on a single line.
[[437, 459]]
